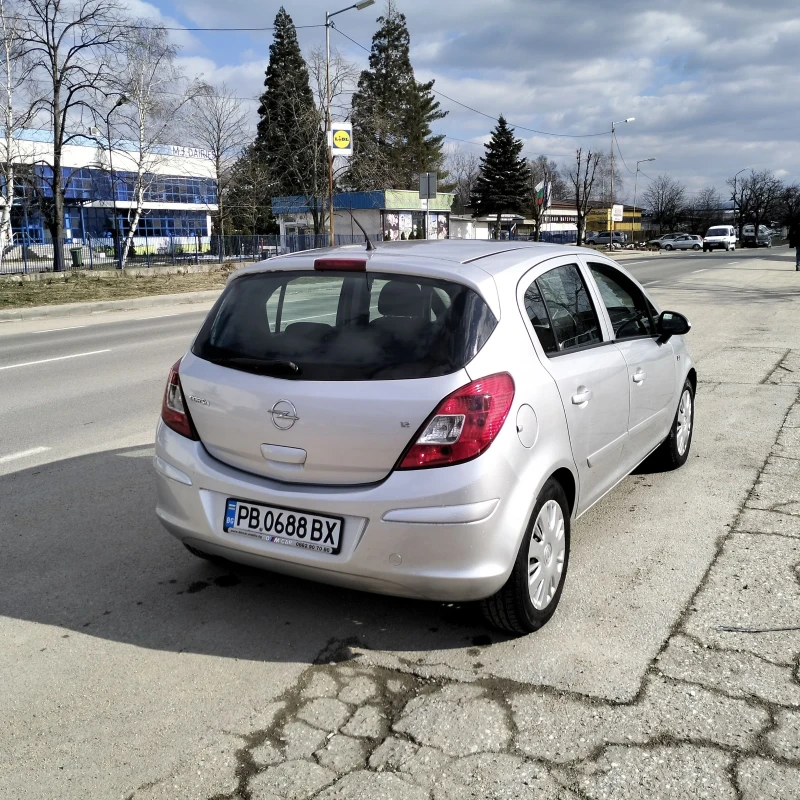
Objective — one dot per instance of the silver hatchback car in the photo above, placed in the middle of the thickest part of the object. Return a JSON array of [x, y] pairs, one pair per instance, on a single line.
[[425, 419]]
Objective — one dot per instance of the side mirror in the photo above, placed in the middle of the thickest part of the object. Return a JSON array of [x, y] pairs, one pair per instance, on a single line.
[[671, 323]]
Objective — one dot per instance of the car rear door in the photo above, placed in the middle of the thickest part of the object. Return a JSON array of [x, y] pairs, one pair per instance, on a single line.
[[651, 367], [589, 371]]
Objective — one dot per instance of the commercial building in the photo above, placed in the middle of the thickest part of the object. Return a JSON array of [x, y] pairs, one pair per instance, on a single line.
[[599, 219], [389, 215], [559, 224], [179, 199]]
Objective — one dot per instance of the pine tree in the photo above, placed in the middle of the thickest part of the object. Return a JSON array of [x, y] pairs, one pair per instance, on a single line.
[[502, 185], [393, 113], [289, 135]]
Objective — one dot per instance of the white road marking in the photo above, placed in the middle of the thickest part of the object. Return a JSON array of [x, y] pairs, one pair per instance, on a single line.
[[59, 358], [694, 272], [54, 330], [34, 451]]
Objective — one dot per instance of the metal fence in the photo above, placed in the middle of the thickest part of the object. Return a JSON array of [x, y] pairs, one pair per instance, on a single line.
[[160, 251]]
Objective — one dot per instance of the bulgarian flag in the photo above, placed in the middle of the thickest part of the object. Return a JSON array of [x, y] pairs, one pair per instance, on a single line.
[[542, 194]]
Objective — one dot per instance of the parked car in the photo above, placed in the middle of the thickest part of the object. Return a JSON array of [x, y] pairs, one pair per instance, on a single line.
[[660, 241], [604, 237], [372, 419], [722, 237], [764, 236], [684, 241]]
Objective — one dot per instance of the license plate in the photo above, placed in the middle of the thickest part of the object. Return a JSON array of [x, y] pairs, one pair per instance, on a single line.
[[283, 526]]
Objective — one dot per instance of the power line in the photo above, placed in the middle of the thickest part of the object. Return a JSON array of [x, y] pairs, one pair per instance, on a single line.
[[528, 152], [622, 157], [164, 27], [483, 113]]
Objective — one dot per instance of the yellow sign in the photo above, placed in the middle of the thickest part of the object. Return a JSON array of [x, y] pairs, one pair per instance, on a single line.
[[341, 140]]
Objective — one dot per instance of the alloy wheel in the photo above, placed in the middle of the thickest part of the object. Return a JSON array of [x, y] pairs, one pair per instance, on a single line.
[[546, 553], [684, 421]]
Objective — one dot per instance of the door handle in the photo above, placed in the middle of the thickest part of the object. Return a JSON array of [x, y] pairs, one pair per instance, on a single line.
[[639, 376], [582, 396]]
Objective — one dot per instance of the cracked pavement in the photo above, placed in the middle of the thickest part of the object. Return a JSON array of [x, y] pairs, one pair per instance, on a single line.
[[131, 670]]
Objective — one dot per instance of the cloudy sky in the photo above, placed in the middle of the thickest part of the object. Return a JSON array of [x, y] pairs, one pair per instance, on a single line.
[[714, 85]]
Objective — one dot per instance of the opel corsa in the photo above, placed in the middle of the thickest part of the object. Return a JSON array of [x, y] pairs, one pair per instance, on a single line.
[[425, 419]]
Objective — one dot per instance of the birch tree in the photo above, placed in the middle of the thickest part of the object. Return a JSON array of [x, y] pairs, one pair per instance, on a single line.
[[72, 46], [149, 80], [219, 125], [15, 86]]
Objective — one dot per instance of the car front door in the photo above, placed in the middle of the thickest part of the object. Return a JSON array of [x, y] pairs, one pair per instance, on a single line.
[[650, 361], [589, 370]]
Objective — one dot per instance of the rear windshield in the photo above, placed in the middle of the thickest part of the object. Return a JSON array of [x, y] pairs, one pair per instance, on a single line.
[[344, 326], [717, 232]]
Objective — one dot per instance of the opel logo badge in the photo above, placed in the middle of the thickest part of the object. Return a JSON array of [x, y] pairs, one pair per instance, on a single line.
[[284, 415]]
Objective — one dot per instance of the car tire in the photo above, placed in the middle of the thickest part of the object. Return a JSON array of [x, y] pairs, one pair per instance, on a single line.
[[674, 450], [668, 247], [591, 242], [513, 609], [696, 247], [727, 247]]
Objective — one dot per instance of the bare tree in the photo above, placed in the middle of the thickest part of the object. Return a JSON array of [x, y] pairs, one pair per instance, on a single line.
[[344, 79], [15, 86], [580, 177], [664, 199], [543, 174], [760, 193], [701, 210], [789, 205], [71, 44], [463, 167], [219, 125], [602, 185], [155, 94]]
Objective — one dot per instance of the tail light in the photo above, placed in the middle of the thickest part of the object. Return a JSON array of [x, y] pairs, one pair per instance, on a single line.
[[464, 424], [174, 413]]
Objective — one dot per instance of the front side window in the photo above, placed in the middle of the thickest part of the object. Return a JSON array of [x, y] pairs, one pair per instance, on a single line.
[[572, 318], [626, 304]]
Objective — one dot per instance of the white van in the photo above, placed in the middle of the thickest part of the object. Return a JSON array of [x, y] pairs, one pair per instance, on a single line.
[[720, 236]]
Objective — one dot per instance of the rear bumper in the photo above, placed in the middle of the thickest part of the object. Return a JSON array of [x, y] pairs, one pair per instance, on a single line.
[[457, 536]]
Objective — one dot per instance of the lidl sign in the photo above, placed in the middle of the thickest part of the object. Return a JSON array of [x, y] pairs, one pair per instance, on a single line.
[[341, 138]]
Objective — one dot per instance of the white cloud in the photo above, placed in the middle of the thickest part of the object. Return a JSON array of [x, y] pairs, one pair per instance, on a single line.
[[711, 84]]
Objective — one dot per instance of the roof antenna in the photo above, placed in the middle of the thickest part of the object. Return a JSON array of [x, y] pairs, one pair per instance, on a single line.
[[370, 246]]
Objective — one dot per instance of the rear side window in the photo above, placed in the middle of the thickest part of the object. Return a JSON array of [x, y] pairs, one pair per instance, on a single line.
[[572, 319], [345, 326]]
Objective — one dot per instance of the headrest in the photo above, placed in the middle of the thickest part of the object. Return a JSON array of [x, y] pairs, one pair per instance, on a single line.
[[400, 299]]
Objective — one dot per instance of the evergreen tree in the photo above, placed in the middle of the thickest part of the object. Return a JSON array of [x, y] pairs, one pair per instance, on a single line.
[[289, 135], [502, 185], [393, 113]]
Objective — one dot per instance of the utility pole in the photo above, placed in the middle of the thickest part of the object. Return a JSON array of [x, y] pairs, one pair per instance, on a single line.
[[635, 187], [328, 122], [611, 204]]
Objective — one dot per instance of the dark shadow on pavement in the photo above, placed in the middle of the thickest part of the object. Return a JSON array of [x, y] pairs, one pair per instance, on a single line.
[[83, 550]]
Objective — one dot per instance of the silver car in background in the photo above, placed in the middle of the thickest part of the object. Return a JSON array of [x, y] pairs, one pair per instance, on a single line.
[[426, 419], [684, 241]]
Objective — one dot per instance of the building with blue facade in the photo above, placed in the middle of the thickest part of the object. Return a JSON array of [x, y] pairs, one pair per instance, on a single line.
[[179, 199]]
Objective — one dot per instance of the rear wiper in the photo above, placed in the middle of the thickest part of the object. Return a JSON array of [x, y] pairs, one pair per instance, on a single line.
[[260, 366]]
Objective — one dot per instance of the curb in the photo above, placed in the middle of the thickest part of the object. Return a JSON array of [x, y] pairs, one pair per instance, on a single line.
[[104, 306]]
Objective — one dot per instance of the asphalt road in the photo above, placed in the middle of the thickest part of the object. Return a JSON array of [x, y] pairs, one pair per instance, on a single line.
[[124, 657]]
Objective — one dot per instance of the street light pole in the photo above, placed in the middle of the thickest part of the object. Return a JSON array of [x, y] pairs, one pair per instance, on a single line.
[[611, 204], [635, 187], [118, 250], [328, 122]]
